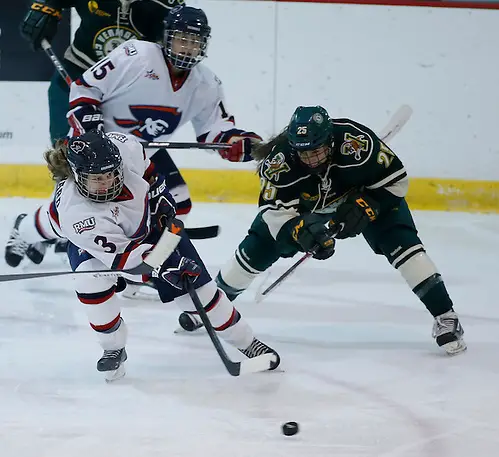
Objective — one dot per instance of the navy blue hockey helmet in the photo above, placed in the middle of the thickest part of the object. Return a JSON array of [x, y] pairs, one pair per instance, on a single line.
[[97, 167], [186, 36]]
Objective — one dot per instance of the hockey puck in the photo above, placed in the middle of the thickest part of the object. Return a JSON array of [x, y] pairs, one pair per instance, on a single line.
[[290, 428]]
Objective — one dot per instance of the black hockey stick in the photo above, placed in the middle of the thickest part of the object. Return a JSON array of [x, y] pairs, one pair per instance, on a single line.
[[186, 145], [46, 46], [203, 233], [262, 362], [285, 275], [163, 249]]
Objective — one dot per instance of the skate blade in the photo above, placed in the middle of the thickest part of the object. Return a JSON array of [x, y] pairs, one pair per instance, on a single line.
[[111, 376], [181, 331], [139, 295], [455, 347], [260, 363]]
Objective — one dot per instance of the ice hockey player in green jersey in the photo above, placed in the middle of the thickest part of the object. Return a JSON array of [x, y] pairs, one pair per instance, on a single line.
[[324, 180], [105, 24]]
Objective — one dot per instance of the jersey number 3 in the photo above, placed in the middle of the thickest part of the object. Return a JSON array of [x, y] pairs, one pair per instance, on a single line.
[[107, 245]]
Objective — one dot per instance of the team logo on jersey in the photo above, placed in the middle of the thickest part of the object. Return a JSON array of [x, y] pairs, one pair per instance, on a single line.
[[275, 167], [109, 38], [115, 212], [77, 146], [151, 75], [354, 145], [85, 225], [151, 121], [130, 49]]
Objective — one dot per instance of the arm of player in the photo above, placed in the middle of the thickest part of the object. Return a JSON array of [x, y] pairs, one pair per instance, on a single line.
[[213, 124], [99, 83]]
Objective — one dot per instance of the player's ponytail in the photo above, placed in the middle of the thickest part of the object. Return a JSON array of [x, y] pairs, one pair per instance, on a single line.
[[260, 151], [57, 161]]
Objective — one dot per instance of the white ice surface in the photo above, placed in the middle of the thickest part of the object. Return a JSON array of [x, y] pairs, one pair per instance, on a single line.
[[361, 373]]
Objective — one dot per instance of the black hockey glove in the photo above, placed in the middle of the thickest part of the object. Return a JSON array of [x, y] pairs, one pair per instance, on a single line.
[[312, 234], [176, 268], [85, 118], [41, 22], [162, 205], [353, 216]]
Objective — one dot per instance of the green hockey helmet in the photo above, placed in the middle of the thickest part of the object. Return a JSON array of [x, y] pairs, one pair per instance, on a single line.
[[310, 136]]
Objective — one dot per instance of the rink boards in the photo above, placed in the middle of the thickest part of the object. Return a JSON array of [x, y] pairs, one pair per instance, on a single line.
[[242, 186]]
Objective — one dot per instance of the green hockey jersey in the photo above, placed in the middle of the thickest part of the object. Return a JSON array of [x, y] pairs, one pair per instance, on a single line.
[[105, 24], [360, 161]]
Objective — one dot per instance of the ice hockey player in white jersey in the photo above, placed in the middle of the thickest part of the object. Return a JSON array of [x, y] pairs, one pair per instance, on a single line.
[[147, 90], [101, 205]]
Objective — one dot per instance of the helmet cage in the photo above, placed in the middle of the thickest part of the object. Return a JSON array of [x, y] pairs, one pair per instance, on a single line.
[[314, 158], [88, 183]]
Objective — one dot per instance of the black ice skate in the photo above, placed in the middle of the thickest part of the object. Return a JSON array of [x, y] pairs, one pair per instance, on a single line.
[[448, 333], [112, 364], [188, 322], [36, 252], [16, 247], [61, 246], [257, 348]]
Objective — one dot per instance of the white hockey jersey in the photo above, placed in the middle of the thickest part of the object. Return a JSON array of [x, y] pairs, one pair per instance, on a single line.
[[133, 88], [112, 232]]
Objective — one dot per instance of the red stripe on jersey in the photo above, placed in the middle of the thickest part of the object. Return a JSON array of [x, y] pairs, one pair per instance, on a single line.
[[39, 226], [121, 259], [84, 101], [149, 172], [54, 214], [143, 229]]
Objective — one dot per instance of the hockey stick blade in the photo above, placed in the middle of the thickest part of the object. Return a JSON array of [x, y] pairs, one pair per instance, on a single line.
[[260, 363], [163, 249], [397, 121], [203, 233]]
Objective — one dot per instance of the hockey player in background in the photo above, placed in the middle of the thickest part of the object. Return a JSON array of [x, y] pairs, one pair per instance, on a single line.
[[326, 179], [148, 90], [101, 205], [104, 26]]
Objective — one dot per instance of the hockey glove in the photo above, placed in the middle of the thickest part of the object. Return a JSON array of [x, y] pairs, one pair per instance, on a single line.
[[176, 269], [312, 234], [40, 23], [85, 118], [162, 205], [241, 143], [354, 215]]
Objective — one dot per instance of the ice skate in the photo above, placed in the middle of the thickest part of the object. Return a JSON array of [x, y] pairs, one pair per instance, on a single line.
[[448, 333], [188, 323], [16, 247], [257, 348], [36, 252], [112, 364]]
